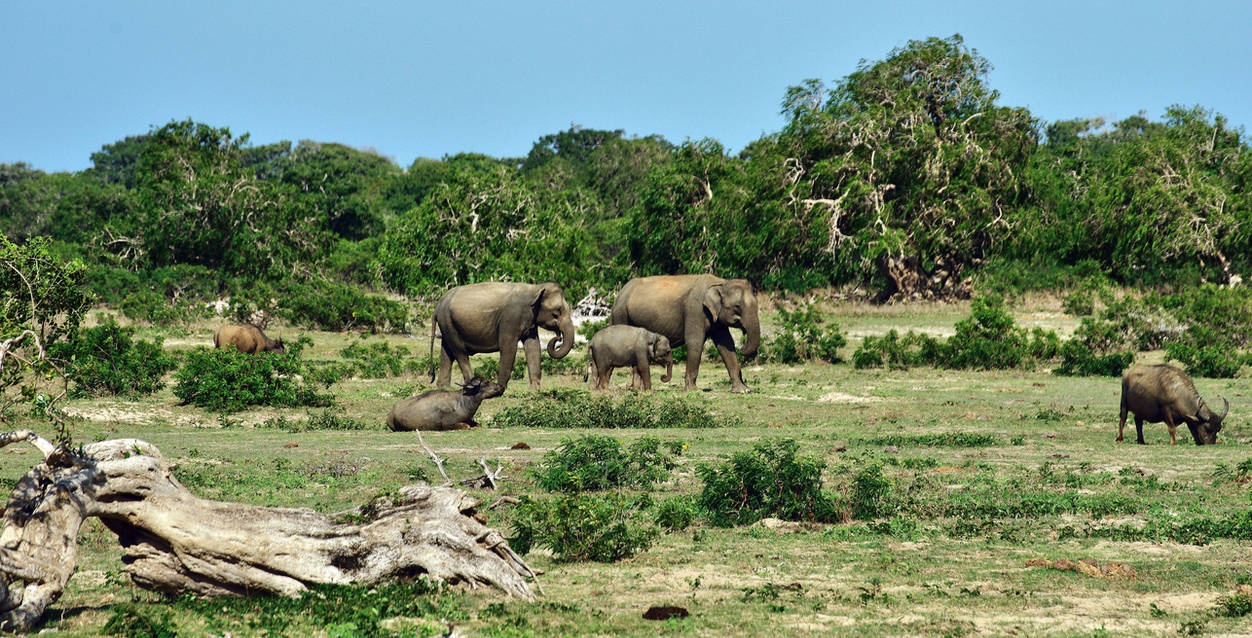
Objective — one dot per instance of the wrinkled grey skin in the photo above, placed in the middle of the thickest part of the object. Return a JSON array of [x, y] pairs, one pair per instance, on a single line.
[[443, 409], [494, 317], [687, 309], [1163, 393], [246, 338], [622, 346]]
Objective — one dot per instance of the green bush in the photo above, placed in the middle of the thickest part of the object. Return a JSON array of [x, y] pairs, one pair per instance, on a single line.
[[1220, 361], [1080, 303], [896, 352], [596, 462], [580, 409], [803, 338], [338, 307], [327, 419], [229, 381], [490, 367], [150, 307], [132, 622], [108, 360], [771, 480], [871, 493], [988, 339], [938, 439], [1235, 605], [581, 527], [677, 513], [377, 360]]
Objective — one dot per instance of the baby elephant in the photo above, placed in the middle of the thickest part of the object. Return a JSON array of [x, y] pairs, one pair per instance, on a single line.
[[621, 346], [245, 338], [443, 409]]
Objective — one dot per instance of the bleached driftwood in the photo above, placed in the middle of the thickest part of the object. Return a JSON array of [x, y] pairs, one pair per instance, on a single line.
[[175, 542]]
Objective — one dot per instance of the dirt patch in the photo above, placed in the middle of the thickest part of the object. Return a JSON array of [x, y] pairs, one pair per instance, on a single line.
[[120, 413], [843, 397]]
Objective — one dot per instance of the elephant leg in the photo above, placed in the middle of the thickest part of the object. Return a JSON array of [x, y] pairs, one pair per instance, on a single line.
[[467, 372], [508, 353], [606, 375], [726, 347], [445, 367], [695, 348], [645, 373], [531, 346]]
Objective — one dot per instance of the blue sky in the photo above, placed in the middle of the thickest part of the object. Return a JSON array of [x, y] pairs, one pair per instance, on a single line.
[[415, 79]]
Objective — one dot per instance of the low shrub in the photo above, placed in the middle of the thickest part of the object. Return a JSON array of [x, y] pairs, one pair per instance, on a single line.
[[1220, 361], [490, 368], [1236, 605], [938, 439], [676, 514], [990, 339], [580, 409], [229, 381], [802, 337], [770, 480], [870, 495], [582, 527], [132, 622], [379, 359], [108, 360], [1094, 351], [327, 419], [596, 462], [338, 307], [897, 352]]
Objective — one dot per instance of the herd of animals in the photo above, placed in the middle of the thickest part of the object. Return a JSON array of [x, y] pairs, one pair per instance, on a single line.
[[650, 316]]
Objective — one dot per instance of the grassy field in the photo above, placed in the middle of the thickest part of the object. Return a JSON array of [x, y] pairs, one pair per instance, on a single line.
[[1049, 482]]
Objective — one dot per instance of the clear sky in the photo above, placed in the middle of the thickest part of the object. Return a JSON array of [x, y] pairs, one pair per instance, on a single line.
[[420, 79]]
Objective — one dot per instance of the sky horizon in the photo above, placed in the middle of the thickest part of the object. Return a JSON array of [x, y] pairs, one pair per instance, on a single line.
[[414, 80]]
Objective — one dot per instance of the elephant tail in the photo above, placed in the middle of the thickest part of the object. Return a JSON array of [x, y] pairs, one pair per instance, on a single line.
[[432, 348]]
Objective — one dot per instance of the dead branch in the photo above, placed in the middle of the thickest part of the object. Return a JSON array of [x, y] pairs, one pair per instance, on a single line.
[[175, 542]]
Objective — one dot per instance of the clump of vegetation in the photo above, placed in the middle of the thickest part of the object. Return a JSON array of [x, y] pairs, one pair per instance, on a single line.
[[580, 409], [676, 513], [988, 339], [803, 337], [335, 610], [870, 495], [108, 360], [131, 621], [1236, 605], [770, 480], [937, 439], [897, 352], [228, 381], [596, 462], [338, 307], [581, 527], [378, 359], [327, 419]]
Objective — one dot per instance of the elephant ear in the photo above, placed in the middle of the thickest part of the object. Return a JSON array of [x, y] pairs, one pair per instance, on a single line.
[[713, 301]]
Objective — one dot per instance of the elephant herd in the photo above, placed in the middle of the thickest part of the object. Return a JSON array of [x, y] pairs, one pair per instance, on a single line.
[[651, 316], [674, 310]]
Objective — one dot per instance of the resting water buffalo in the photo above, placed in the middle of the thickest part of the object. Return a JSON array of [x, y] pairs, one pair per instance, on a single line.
[[443, 409], [621, 346], [1163, 393], [245, 338]]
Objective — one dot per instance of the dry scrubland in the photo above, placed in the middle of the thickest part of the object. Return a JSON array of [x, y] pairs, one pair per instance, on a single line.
[[914, 575]]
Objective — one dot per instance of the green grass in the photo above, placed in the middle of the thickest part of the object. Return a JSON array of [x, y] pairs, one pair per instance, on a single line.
[[983, 471]]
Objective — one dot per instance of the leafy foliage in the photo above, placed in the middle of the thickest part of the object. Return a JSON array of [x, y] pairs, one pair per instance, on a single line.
[[228, 380], [581, 527], [770, 480], [108, 360], [595, 462], [803, 338], [580, 409]]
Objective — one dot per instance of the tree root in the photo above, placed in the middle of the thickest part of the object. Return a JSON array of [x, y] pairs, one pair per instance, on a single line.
[[174, 542]]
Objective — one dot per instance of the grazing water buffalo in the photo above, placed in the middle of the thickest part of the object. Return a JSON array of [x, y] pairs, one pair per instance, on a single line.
[[245, 338], [443, 409], [1163, 393]]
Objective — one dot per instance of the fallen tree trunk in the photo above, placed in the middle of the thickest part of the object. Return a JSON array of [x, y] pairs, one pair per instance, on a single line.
[[175, 542]]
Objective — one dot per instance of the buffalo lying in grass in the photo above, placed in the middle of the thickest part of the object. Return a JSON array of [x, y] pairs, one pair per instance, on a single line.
[[443, 409]]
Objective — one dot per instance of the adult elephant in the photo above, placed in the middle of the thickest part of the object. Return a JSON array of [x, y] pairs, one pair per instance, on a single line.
[[687, 309], [495, 316]]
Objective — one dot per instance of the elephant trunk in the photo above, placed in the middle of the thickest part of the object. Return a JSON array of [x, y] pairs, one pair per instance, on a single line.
[[566, 340], [669, 369], [751, 333]]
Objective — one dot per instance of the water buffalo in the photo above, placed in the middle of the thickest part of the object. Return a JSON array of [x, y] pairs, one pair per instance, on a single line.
[[443, 409], [245, 338], [1163, 393]]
